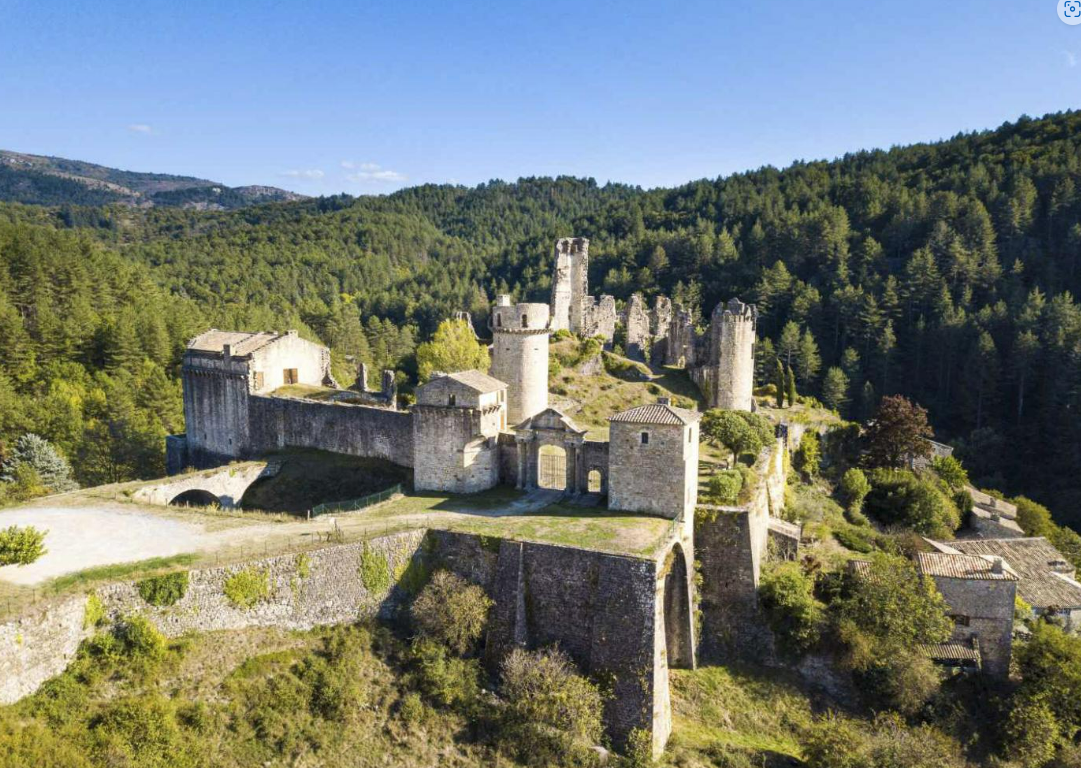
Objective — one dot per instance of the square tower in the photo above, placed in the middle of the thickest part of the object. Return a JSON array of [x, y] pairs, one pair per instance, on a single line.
[[570, 285], [653, 460]]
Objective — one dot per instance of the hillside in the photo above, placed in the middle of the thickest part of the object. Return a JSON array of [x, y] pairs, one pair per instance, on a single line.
[[944, 271], [37, 180]]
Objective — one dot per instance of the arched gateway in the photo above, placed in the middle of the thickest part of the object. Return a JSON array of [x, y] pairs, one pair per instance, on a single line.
[[550, 443]]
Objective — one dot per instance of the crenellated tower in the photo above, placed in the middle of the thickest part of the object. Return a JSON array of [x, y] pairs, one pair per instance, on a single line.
[[731, 355]]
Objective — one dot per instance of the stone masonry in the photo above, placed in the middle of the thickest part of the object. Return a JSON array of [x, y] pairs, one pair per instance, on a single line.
[[520, 356]]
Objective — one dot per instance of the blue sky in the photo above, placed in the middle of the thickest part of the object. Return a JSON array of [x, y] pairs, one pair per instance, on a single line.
[[325, 97]]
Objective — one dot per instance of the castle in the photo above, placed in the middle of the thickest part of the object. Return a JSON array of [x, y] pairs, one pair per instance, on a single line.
[[470, 431]]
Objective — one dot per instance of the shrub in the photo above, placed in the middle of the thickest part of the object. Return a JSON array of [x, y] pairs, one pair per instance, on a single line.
[[304, 565], [855, 517], [1034, 519], [855, 539], [164, 590], [446, 679], [94, 615], [854, 489], [903, 680], [724, 487], [412, 709], [374, 570], [551, 710], [21, 545], [1031, 732], [639, 749], [806, 457], [141, 639], [247, 587], [833, 743], [900, 497], [787, 595], [451, 611], [140, 731], [951, 471]]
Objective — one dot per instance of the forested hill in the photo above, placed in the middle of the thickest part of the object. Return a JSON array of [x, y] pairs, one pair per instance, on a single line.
[[38, 180], [947, 272]]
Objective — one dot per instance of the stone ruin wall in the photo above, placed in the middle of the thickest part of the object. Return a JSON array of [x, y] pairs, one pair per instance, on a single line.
[[604, 610]]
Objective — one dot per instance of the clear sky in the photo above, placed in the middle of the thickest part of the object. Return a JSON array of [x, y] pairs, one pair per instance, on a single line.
[[323, 97]]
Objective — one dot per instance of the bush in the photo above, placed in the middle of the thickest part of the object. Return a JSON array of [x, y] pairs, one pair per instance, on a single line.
[[951, 471], [164, 590], [900, 497], [833, 743], [451, 611], [140, 731], [855, 539], [374, 570], [854, 489], [551, 710], [247, 587], [806, 457], [1031, 732], [94, 615], [141, 639], [903, 680], [857, 518], [724, 486], [787, 595], [446, 679], [21, 546]]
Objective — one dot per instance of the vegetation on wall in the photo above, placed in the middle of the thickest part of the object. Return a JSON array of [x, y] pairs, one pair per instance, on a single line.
[[165, 590]]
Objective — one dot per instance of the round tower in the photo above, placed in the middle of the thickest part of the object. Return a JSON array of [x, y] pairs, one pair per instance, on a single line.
[[520, 356], [732, 338]]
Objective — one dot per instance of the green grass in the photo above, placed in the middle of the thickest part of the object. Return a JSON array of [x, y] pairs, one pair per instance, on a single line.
[[117, 572]]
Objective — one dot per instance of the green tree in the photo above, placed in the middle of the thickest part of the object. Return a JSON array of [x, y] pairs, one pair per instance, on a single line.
[[808, 361], [453, 348], [835, 389], [38, 454], [451, 611], [779, 383], [854, 488], [21, 545], [790, 387], [729, 429]]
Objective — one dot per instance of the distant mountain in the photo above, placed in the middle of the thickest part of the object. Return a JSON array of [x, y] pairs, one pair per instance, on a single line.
[[38, 180]]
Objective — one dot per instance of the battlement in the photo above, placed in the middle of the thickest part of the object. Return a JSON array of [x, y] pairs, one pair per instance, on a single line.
[[519, 318], [572, 245]]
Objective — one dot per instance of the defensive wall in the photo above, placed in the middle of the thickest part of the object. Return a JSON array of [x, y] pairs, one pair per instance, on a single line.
[[620, 618]]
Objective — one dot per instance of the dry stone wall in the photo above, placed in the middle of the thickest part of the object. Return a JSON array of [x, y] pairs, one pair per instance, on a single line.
[[39, 646]]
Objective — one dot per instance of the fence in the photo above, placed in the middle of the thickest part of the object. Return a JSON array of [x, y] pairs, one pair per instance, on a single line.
[[355, 504]]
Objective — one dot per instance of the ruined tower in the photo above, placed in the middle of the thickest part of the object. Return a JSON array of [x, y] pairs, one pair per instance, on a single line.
[[570, 285], [731, 355], [520, 356]]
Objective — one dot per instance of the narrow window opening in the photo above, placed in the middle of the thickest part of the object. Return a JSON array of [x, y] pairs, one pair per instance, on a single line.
[[645, 438]]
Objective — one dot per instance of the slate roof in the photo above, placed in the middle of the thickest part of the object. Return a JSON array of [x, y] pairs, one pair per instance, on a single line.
[[241, 343], [657, 413], [962, 566], [1035, 561], [479, 382]]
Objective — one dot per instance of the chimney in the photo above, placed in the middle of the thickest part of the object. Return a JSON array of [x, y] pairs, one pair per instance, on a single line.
[[503, 300], [996, 565], [227, 351]]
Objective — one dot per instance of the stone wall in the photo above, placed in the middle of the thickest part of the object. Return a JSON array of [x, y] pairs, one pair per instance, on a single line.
[[356, 430], [988, 608], [215, 409], [459, 455], [732, 339], [39, 646], [636, 326], [601, 609], [657, 477], [332, 592]]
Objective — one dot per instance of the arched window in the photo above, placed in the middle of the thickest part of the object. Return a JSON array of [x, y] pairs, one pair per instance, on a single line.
[[594, 481]]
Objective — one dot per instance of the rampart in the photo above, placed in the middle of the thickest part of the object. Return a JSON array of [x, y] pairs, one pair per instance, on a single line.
[[606, 611], [356, 430]]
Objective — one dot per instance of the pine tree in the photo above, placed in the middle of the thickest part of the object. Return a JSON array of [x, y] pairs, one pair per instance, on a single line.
[[808, 361], [790, 387], [38, 454], [835, 389]]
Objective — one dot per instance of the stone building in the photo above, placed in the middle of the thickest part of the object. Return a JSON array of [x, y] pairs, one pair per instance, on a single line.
[[456, 424], [653, 460], [980, 591], [573, 309], [520, 356], [219, 372], [728, 376], [1046, 579]]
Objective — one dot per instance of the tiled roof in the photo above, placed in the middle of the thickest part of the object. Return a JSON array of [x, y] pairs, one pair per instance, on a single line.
[[475, 380], [657, 413], [240, 343], [962, 566], [1002, 520], [1046, 577], [991, 504], [952, 651]]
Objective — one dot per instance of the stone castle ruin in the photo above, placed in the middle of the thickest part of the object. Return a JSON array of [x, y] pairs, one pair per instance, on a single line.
[[719, 360], [470, 431]]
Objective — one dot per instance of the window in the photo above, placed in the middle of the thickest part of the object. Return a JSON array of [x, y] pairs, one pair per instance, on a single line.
[[594, 481], [645, 438], [291, 376], [258, 380], [452, 400], [499, 321], [690, 434], [959, 619], [525, 321]]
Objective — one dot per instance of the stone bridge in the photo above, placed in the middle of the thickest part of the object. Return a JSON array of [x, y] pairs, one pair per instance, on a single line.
[[224, 486]]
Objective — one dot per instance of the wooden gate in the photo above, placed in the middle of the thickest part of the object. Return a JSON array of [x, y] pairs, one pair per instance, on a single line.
[[553, 468]]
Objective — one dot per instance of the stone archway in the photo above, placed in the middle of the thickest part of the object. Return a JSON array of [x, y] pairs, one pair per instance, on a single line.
[[552, 468], [678, 613], [195, 497]]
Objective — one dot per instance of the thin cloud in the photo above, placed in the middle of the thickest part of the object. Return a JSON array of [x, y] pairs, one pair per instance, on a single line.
[[140, 128], [1071, 58], [306, 173], [375, 172], [348, 165]]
